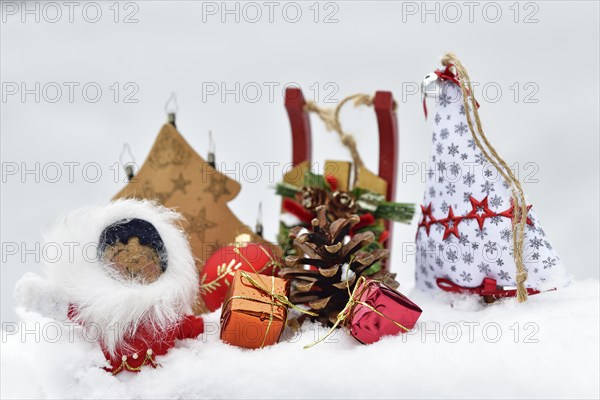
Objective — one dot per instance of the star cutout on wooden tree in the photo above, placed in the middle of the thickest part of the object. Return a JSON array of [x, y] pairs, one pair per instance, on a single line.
[[217, 187], [199, 224], [180, 183]]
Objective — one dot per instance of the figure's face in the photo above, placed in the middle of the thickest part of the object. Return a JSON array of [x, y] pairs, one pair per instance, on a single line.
[[133, 261]]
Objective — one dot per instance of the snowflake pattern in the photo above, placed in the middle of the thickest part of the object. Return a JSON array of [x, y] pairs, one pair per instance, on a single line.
[[454, 169], [469, 179], [441, 166], [495, 220], [467, 197], [496, 201], [457, 171], [549, 263], [460, 128], [453, 149], [480, 158], [431, 244], [444, 100], [487, 188], [484, 268], [536, 243], [439, 149], [451, 255], [504, 275], [481, 233], [472, 144], [505, 234], [432, 192], [490, 247], [466, 277], [444, 207], [468, 258]]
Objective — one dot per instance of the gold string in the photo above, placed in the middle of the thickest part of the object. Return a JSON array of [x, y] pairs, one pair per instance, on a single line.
[[518, 196], [279, 300], [352, 302], [272, 262]]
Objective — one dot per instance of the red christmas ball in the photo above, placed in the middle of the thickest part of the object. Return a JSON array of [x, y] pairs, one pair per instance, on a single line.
[[220, 268]]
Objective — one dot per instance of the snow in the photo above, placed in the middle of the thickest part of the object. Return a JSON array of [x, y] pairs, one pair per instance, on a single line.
[[556, 355]]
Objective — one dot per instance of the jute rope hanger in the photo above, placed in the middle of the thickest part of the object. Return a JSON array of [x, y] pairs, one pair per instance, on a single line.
[[331, 119], [490, 153]]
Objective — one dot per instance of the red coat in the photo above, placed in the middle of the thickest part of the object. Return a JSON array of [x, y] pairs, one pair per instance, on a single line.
[[147, 343]]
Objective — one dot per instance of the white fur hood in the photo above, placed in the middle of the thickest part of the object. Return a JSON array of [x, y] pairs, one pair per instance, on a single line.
[[115, 306]]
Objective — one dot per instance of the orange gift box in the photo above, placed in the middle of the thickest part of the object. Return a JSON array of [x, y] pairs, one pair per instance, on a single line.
[[254, 314]]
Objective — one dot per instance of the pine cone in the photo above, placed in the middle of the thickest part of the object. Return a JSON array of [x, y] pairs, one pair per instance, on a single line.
[[342, 205], [312, 197], [336, 266]]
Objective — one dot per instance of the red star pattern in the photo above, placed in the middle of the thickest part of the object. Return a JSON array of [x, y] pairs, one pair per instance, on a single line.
[[510, 213], [427, 218], [480, 212], [450, 224]]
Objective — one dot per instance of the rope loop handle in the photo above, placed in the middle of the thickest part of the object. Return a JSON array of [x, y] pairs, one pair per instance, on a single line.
[[331, 119]]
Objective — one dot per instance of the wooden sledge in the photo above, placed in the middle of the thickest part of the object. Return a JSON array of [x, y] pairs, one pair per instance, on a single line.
[[384, 182]]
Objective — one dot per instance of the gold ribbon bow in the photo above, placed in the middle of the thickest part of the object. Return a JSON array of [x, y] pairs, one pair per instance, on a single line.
[[353, 301], [277, 300]]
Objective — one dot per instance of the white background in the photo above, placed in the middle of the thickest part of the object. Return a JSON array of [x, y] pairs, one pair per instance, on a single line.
[[372, 46]]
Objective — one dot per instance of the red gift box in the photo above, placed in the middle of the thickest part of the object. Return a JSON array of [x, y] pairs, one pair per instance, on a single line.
[[373, 311], [379, 310]]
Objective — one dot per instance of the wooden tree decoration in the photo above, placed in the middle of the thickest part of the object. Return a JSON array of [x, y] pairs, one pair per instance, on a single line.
[[177, 177]]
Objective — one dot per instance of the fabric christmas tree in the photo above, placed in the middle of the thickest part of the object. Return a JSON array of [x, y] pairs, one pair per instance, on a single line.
[[465, 234]]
